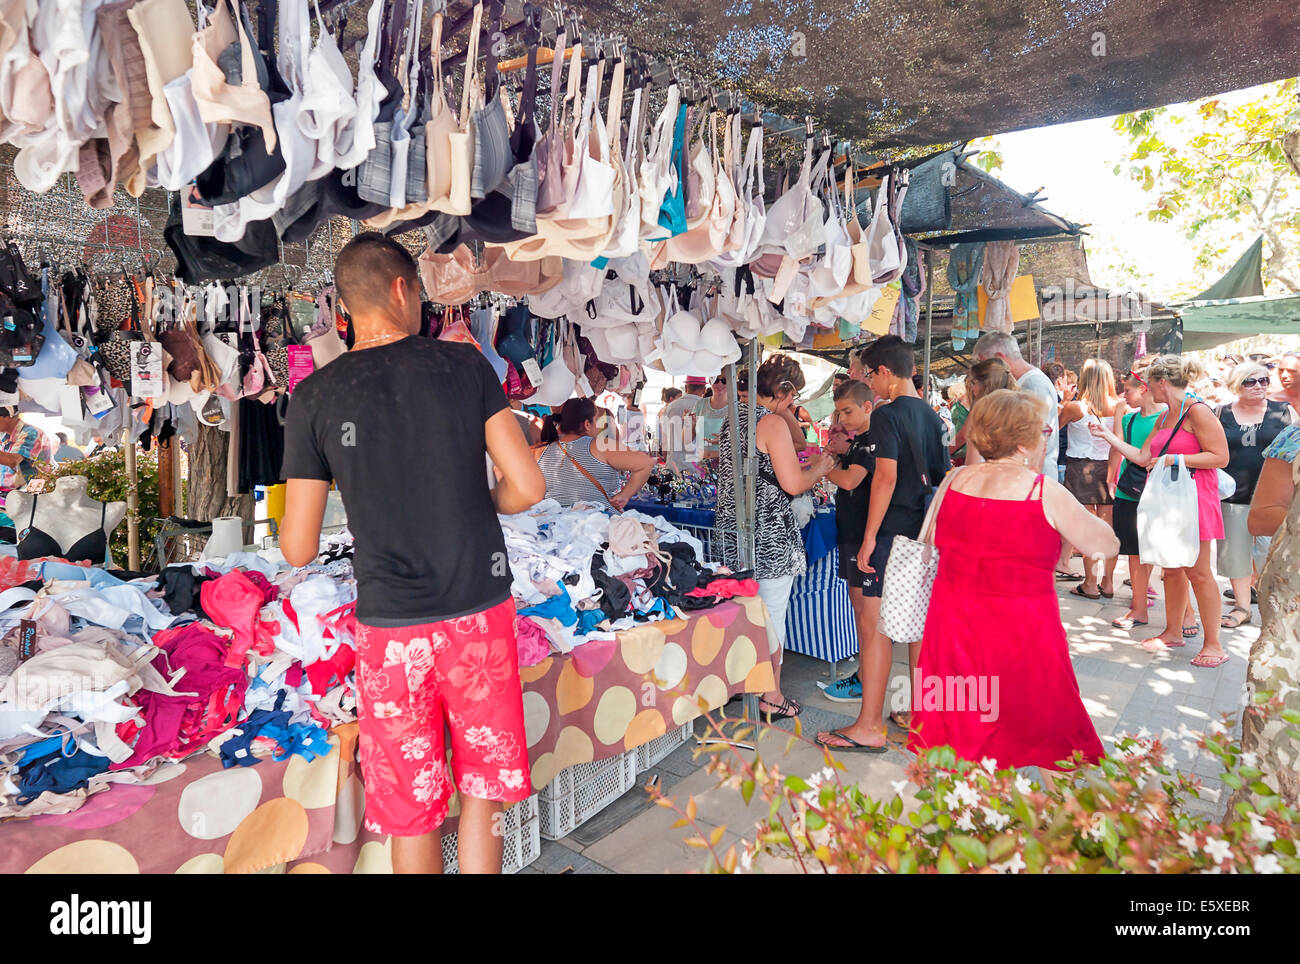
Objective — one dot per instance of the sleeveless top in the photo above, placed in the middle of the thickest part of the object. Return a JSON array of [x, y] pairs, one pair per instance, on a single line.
[[777, 541], [565, 484], [1080, 443]]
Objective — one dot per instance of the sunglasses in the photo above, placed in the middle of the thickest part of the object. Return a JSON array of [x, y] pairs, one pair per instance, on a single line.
[[720, 380], [1247, 382]]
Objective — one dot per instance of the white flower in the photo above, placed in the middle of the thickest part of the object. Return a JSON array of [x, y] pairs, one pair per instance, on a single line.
[[1013, 866], [747, 860], [1260, 830], [899, 786], [1250, 759], [1218, 850], [996, 820], [828, 773], [989, 764], [966, 793], [416, 747], [384, 711], [964, 822], [513, 779], [1023, 785], [1098, 829], [1189, 843], [1267, 864]]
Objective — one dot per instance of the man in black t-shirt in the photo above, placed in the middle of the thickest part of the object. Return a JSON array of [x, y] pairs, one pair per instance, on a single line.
[[403, 425], [906, 440]]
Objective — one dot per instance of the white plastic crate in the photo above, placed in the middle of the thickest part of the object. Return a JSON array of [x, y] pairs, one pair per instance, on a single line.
[[522, 844], [648, 754], [580, 792]]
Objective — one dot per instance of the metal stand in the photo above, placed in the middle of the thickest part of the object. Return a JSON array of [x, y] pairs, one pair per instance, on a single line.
[[929, 318]]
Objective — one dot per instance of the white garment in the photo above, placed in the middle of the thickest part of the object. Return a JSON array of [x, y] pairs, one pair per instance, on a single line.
[[1080, 442]]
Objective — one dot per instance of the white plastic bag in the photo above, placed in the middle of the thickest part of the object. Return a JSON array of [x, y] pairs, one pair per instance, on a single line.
[[1168, 520]]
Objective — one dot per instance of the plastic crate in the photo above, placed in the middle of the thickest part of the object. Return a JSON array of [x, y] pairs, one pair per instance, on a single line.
[[580, 792], [522, 844], [648, 754]]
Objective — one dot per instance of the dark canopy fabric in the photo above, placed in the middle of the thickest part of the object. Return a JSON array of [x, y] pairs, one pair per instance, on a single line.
[[898, 73], [1245, 279]]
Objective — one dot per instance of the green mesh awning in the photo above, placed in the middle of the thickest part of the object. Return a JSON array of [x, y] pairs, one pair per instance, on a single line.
[[1210, 323]]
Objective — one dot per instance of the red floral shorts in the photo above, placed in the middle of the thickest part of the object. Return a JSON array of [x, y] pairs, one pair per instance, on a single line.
[[461, 675]]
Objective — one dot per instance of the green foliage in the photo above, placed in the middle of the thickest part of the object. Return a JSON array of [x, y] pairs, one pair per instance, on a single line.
[[106, 481], [1216, 170]]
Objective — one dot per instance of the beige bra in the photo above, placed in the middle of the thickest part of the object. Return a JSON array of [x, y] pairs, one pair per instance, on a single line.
[[220, 102]]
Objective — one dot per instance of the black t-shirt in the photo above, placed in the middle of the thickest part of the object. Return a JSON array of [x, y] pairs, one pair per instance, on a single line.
[[851, 504], [400, 427], [905, 426], [1246, 444]]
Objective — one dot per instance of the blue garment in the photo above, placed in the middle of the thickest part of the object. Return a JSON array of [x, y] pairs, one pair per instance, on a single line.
[[98, 578], [557, 607], [587, 620], [672, 213], [48, 747], [307, 740], [965, 265], [57, 773]]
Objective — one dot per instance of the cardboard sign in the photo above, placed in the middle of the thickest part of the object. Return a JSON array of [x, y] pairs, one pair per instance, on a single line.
[[1024, 300]]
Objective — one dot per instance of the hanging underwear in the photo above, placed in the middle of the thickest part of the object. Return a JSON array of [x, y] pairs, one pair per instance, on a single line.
[[35, 543]]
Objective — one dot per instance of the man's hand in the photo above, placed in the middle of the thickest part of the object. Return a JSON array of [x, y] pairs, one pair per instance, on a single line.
[[864, 555], [838, 441]]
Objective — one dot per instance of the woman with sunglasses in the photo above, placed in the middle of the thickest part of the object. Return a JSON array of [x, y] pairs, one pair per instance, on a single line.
[[1250, 424], [1126, 478], [1187, 428]]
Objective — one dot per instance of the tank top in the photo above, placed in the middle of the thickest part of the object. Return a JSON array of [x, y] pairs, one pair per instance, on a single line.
[[708, 424], [565, 484], [1080, 443]]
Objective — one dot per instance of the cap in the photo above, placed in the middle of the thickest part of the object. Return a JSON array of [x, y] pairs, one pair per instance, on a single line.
[[692, 380]]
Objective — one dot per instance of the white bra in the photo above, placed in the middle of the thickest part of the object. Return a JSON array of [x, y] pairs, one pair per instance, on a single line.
[[370, 94], [195, 146], [329, 110]]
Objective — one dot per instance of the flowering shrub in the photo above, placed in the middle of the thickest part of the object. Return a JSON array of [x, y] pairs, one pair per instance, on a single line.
[[1128, 813]]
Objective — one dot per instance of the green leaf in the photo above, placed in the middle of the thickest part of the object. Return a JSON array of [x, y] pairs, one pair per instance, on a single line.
[[814, 820], [797, 784], [747, 791], [971, 849], [947, 865], [1001, 847], [896, 807]]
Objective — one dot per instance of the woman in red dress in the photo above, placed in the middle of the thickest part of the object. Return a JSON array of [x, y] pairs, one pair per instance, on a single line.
[[994, 677]]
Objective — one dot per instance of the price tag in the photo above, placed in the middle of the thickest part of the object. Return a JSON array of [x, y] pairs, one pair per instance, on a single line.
[[146, 370], [533, 371], [98, 402], [26, 639], [301, 365], [197, 219]]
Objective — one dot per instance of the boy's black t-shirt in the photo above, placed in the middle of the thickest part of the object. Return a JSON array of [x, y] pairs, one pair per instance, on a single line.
[[400, 427], [851, 504], [901, 430]]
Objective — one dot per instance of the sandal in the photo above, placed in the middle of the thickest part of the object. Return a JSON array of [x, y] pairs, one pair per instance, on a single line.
[[1078, 591], [1238, 617], [1106, 595], [1192, 631], [850, 745], [1210, 662], [784, 710], [1067, 576], [1128, 622]]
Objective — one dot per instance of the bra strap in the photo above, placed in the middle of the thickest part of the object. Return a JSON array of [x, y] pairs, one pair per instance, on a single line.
[[1036, 487], [32, 518]]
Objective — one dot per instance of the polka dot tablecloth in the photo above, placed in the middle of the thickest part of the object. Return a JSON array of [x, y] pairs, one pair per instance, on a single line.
[[300, 817]]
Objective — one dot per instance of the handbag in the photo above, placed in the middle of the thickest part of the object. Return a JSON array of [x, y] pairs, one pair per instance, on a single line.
[[909, 578], [541, 449], [1134, 478]]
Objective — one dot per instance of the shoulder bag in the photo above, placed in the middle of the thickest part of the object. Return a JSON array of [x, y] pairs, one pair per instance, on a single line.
[[909, 578]]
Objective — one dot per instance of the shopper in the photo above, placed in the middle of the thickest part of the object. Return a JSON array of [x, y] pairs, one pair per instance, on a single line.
[[677, 427], [1000, 344], [632, 423], [853, 480], [985, 377], [1087, 462], [959, 403], [1288, 376], [906, 440], [1275, 489], [404, 424], [994, 618], [1191, 430], [711, 415], [1251, 423], [1127, 478], [779, 552], [580, 464]]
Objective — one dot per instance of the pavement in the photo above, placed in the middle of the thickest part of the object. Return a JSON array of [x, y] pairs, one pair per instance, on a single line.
[[1126, 690]]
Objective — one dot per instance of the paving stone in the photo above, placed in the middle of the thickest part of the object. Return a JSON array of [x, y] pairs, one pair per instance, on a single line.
[[556, 858]]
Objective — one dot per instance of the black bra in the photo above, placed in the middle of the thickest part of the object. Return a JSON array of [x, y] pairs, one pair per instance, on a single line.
[[35, 543]]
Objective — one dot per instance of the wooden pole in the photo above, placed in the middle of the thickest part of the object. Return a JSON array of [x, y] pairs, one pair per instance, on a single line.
[[166, 476], [132, 502]]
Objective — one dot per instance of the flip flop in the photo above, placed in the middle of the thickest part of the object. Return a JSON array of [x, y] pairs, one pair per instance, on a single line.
[[1236, 618], [1155, 644], [1192, 631], [1106, 595], [1067, 576], [853, 745], [1127, 623], [1078, 591], [1210, 662]]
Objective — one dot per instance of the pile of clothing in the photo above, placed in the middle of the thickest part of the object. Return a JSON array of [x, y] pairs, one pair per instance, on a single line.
[[107, 680], [581, 574]]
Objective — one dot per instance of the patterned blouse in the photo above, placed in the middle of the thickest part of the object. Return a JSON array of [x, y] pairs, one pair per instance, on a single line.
[[1286, 446], [778, 544]]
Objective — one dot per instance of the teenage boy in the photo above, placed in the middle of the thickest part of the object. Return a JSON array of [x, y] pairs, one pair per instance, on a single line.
[[436, 645], [906, 439], [853, 478]]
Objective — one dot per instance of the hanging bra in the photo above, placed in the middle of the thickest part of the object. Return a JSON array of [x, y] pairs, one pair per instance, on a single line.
[[35, 543], [218, 100]]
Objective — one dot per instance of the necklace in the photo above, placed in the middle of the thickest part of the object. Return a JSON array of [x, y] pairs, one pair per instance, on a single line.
[[378, 338]]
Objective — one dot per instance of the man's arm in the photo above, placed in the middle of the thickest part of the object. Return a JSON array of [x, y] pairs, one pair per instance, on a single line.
[[304, 508], [520, 484], [883, 482]]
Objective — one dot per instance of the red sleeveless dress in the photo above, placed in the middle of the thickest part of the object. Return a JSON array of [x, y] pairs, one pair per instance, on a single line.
[[994, 677]]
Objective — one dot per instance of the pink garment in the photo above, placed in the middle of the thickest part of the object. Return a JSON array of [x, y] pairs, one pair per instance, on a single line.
[[1209, 509], [727, 588], [269, 591], [177, 725], [1001, 259], [533, 647], [233, 601]]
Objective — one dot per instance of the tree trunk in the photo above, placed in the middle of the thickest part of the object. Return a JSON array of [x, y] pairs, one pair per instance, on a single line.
[[1275, 660], [207, 497]]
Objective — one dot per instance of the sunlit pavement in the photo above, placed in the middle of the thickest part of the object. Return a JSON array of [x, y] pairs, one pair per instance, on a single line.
[[1126, 689]]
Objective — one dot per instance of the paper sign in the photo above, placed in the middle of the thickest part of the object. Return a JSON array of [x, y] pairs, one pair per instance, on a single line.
[[883, 311], [146, 370], [300, 364], [533, 371], [1024, 300]]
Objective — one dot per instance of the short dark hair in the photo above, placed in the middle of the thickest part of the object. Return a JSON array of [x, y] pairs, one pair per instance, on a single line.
[[365, 269], [780, 373], [859, 392], [840, 378], [1054, 370], [891, 353]]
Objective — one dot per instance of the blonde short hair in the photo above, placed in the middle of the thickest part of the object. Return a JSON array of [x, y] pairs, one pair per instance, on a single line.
[[988, 376], [1004, 420], [1172, 369], [1243, 371]]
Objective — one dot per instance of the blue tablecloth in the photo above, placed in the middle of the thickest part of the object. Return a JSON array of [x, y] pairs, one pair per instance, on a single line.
[[818, 535]]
